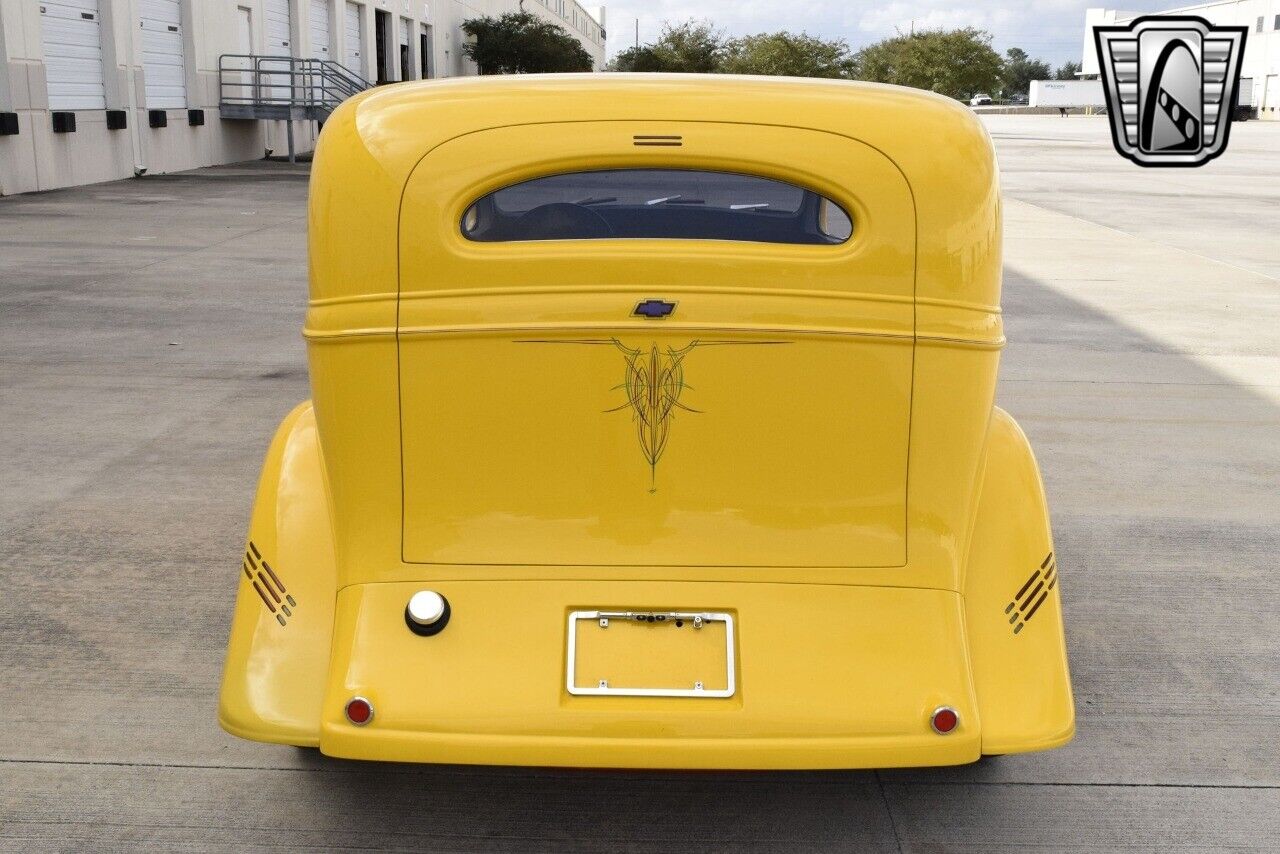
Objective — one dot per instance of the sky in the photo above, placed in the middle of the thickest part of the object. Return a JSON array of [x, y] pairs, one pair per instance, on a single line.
[[1052, 30]]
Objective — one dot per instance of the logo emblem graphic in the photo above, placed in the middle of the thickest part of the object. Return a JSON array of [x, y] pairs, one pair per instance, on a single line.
[[1170, 84], [654, 309]]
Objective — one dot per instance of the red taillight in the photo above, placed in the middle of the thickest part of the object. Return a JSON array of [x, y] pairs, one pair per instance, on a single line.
[[944, 720], [359, 711]]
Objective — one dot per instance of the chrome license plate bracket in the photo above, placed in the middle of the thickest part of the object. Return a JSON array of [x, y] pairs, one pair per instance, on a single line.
[[709, 686]]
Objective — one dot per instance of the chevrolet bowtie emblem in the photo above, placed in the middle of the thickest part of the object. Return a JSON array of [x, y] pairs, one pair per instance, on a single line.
[[1170, 84], [654, 309]]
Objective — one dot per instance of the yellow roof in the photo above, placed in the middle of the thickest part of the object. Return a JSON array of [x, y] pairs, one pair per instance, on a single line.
[[871, 112], [374, 141]]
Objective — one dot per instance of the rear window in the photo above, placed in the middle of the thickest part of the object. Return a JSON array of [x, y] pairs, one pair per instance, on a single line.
[[657, 203]]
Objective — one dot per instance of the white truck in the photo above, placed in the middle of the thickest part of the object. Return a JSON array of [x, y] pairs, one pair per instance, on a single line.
[[1066, 93]]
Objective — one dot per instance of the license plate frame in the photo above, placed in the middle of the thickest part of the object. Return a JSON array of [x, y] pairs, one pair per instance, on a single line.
[[670, 617]]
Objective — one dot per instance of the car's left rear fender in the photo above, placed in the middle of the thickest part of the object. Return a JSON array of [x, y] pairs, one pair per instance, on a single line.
[[274, 678]]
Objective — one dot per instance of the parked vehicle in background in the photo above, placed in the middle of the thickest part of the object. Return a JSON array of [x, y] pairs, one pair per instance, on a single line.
[[1067, 93], [980, 100]]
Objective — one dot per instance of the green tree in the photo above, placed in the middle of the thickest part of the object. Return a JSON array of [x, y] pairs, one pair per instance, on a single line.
[[1020, 69], [786, 54], [957, 63], [695, 47], [642, 58], [522, 43], [1067, 71]]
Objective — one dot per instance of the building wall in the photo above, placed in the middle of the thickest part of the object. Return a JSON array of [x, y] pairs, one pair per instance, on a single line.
[[36, 158], [1260, 65]]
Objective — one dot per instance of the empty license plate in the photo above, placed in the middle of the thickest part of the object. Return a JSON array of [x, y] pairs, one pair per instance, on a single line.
[[651, 653]]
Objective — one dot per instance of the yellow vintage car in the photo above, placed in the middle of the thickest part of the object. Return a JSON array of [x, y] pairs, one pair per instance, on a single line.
[[652, 426]]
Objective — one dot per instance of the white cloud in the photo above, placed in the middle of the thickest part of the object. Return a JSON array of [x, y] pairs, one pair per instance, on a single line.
[[902, 17]]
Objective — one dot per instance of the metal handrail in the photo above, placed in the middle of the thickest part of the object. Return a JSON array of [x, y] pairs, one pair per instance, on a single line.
[[258, 86], [259, 80]]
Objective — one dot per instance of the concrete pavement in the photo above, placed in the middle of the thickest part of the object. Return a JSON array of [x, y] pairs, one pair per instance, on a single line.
[[149, 345]]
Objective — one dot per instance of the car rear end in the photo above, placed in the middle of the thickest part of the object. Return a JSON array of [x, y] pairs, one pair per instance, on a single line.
[[651, 442]]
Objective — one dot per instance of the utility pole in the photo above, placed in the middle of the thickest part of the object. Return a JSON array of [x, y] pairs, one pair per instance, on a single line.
[[913, 26], [637, 33]]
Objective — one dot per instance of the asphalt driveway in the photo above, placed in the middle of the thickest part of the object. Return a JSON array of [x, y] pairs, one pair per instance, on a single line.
[[150, 343]]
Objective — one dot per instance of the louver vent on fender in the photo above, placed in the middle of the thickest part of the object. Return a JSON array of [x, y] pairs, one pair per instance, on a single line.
[[1032, 595], [269, 586]]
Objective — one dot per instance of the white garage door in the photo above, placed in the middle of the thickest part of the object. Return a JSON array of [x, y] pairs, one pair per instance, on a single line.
[[71, 32], [319, 23], [279, 35], [353, 40], [278, 27], [162, 66], [1245, 96]]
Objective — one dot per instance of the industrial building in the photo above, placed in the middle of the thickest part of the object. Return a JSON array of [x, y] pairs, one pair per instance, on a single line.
[[1260, 66], [96, 90]]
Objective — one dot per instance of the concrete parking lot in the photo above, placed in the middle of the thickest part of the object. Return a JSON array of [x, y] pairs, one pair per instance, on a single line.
[[150, 343]]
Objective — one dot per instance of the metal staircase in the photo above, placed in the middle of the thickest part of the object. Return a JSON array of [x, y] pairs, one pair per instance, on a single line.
[[283, 88]]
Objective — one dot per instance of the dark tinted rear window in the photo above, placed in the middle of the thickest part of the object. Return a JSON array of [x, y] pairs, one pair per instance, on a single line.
[[657, 203]]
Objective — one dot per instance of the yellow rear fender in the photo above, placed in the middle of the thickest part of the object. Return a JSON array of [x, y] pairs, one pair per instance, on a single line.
[[278, 654], [1013, 612]]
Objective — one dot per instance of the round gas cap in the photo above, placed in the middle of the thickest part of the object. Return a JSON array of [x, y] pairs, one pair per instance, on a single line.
[[427, 612]]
